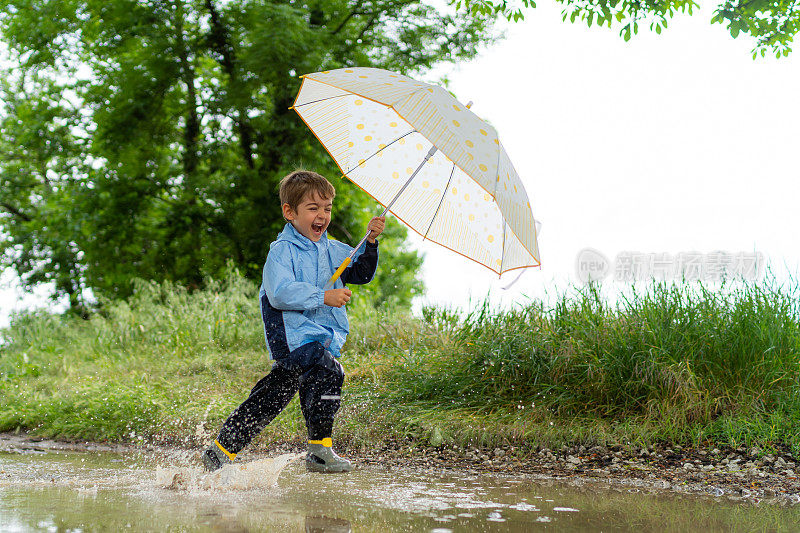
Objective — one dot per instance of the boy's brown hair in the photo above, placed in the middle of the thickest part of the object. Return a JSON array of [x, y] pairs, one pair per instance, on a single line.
[[295, 186]]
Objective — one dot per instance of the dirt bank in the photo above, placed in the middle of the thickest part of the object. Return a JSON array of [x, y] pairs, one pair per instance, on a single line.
[[733, 473], [738, 474]]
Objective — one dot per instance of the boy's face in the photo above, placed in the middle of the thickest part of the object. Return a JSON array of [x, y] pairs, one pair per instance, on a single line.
[[312, 216]]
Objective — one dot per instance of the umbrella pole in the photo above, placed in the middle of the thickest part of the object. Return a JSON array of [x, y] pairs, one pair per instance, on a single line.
[[347, 260]]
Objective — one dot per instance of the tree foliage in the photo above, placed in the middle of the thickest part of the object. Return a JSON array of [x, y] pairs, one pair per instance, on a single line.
[[145, 138], [771, 23]]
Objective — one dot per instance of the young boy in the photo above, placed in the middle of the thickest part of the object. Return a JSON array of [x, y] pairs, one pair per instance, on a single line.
[[305, 327]]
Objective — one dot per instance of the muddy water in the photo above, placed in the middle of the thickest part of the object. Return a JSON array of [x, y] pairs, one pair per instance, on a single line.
[[80, 491]]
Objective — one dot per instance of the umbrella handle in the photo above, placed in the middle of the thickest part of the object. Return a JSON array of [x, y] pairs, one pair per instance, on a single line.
[[344, 264], [349, 258]]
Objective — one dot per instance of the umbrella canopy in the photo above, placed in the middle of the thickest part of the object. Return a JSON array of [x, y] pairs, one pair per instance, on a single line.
[[379, 127]]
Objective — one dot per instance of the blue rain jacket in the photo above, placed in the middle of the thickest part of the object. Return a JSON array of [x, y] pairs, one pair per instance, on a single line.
[[292, 299]]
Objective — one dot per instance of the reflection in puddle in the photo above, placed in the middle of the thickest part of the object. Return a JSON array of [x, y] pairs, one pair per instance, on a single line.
[[323, 524], [89, 491]]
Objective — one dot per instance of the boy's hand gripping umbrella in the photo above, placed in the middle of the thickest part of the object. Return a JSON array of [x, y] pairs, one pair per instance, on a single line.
[[427, 158]]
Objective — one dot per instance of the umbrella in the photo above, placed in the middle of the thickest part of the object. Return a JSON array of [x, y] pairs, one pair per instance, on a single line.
[[427, 158]]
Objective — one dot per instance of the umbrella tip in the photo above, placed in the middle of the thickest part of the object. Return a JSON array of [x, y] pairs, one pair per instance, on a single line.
[[469, 104]]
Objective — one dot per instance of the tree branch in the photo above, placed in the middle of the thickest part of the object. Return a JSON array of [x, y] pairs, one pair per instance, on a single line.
[[222, 45], [353, 13], [375, 17], [341, 228], [192, 131], [14, 211], [370, 23]]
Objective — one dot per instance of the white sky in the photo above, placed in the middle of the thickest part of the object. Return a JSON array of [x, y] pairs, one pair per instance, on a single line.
[[668, 143]]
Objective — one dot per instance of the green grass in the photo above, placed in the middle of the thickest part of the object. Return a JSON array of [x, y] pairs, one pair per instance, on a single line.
[[675, 363]]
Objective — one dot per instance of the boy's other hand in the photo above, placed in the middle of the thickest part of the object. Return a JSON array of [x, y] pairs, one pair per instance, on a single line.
[[375, 227], [337, 297]]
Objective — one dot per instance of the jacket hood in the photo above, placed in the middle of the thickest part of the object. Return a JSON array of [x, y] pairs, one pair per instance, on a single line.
[[290, 234]]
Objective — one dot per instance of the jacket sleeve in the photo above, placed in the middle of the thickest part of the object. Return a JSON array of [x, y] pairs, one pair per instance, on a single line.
[[363, 268], [283, 290]]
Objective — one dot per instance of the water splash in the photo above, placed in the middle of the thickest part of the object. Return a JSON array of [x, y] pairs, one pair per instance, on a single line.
[[260, 474], [201, 430]]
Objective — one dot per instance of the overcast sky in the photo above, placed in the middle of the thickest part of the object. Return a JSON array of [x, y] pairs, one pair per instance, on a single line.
[[666, 144]]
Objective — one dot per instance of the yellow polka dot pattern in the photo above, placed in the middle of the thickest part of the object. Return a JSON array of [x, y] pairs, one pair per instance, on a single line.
[[468, 197]]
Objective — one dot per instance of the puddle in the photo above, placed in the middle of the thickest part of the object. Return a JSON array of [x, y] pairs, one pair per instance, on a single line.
[[89, 491]]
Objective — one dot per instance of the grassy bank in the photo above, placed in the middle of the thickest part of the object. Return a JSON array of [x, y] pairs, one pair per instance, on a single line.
[[676, 363]]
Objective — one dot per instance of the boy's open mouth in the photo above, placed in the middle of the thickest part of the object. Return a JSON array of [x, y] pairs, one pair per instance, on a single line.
[[317, 228]]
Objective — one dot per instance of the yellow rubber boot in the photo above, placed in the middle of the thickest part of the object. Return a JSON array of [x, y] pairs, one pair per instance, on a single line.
[[322, 458], [215, 457]]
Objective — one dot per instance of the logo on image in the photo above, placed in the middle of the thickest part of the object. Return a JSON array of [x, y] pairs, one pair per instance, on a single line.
[[591, 265]]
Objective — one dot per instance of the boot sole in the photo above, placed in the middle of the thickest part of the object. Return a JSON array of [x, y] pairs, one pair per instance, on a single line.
[[209, 463], [324, 469]]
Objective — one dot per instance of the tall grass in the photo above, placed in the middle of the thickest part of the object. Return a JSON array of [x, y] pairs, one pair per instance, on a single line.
[[148, 366], [681, 355], [674, 362]]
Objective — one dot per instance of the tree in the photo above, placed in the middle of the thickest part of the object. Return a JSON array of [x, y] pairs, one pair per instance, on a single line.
[[772, 23], [145, 138]]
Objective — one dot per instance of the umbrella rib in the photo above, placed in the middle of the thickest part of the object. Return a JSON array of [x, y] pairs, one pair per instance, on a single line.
[[321, 100], [497, 167], [503, 249], [441, 201], [502, 215], [379, 151]]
